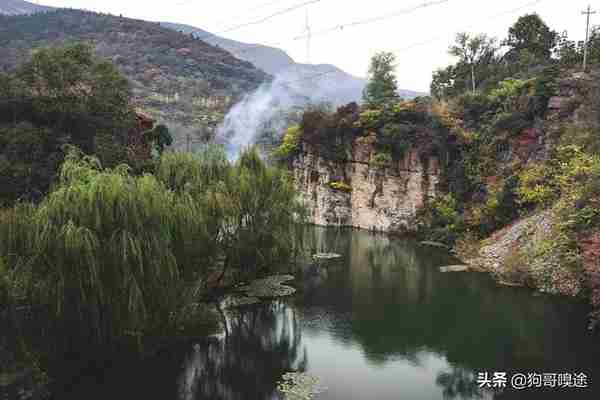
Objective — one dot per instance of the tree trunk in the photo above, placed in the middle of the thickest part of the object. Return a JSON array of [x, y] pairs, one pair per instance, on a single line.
[[473, 76]]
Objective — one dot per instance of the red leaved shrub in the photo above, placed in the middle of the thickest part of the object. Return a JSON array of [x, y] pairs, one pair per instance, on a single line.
[[590, 247]]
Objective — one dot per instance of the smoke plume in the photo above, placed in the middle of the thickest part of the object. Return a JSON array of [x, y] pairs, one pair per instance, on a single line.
[[266, 107]]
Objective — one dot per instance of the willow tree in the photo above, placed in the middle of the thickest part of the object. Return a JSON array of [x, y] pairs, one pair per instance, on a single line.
[[114, 254]]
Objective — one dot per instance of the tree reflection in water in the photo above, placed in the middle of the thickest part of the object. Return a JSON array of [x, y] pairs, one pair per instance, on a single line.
[[460, 383], [260, 344]]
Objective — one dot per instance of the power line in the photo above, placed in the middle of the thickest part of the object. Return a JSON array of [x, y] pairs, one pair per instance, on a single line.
[[262, 19], [309, 34], [241, 14], [308, 38], [374, 19], [306, 78], [253, 9], [438, 37]]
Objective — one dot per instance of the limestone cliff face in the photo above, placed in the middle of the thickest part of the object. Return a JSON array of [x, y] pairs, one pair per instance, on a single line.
[[380, 198]]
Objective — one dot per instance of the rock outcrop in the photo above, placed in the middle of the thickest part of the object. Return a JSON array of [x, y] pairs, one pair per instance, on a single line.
[[537, 264], [362, 194]]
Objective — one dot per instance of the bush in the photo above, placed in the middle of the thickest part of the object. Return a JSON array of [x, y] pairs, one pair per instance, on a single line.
[[475, 108], [370, 119], [585, 138], [510, 92], [579, 183], [536, 186], [341, 186], [381, 159], [441, 220], [290, 144], [511, 122]]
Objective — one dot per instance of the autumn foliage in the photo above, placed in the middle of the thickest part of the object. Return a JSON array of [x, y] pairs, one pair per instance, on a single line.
[[590, 248]]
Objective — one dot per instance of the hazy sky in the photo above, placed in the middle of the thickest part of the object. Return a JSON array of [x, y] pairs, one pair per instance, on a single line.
[[419, 38]]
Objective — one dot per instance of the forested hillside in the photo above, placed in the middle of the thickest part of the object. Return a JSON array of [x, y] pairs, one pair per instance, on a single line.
[[175, 77]]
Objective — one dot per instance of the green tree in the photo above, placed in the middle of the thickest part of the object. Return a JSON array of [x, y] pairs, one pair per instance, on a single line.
[[72, 91], [381, 88], [568, 51], [473, 51], [62, 95], [530, 34], [159, 137]]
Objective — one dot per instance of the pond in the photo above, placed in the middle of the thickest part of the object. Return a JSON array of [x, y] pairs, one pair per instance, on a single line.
[[382, 322]]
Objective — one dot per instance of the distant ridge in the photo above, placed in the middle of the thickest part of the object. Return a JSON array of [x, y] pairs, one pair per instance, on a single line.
[[340, 86], [334, 84], [20, 7]]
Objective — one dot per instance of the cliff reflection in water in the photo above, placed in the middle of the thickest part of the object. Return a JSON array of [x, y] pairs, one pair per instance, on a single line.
[[260, 344], [388, 300]]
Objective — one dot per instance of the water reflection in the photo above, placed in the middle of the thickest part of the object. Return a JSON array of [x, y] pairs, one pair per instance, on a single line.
[[459, 383], [381, 323], [390, 304], [259, 345]]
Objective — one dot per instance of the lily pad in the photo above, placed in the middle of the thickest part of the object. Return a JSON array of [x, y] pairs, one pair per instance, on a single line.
[[298, 386], [269, 287], [236, 300], [326, 256], [454, 268]]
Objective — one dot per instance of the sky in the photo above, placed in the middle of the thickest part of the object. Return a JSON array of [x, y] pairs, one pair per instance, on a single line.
[[419, 32]]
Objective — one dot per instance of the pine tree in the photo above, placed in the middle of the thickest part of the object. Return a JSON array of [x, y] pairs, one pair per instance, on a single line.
[[381, 88]]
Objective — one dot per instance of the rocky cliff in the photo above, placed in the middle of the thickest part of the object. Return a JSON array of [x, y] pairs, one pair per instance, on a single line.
[[361, 194]]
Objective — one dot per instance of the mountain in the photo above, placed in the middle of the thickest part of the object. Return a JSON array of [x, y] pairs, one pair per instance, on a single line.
[[176, 78], [19, 7], [269, 59], [339, 86]]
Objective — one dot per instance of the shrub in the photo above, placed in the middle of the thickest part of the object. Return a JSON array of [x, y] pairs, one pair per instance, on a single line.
[[341, 186], [585, 138], [474, 107], [370, 119], [511, 122], [291, 142], [441, 220], [579, 183], [536, 186], [509, 91], [381, 159], [590, 247]]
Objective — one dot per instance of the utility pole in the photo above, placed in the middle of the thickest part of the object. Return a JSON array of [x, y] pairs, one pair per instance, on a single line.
[[188, 139], [587, 36], [308, 38]]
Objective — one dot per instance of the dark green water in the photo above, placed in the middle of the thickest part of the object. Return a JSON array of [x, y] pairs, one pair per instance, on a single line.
[[383, 323]]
